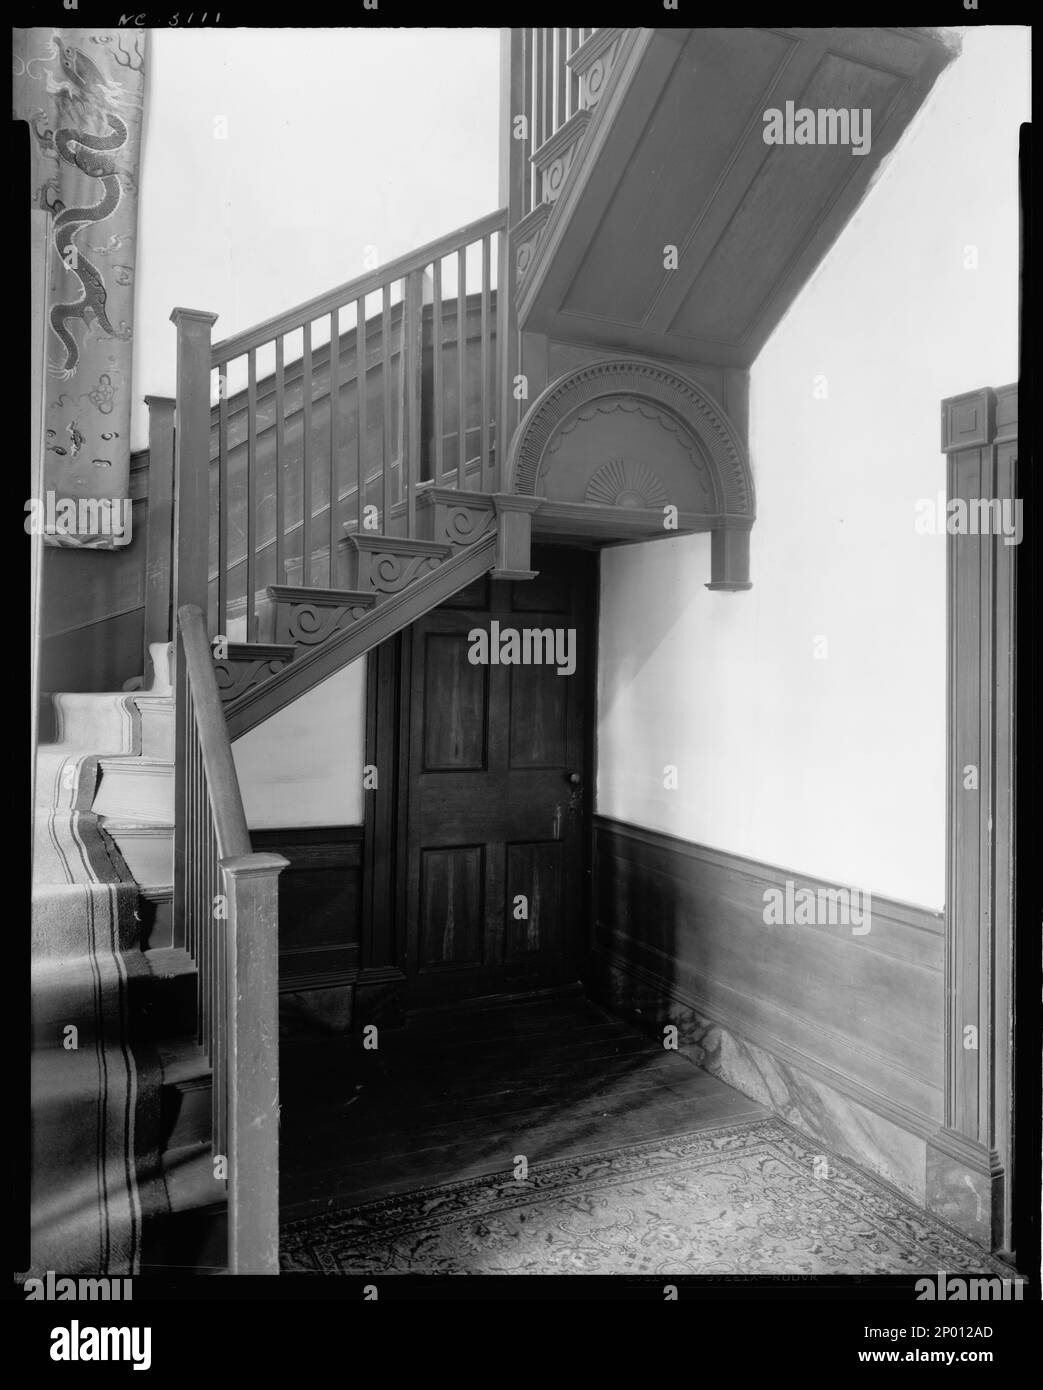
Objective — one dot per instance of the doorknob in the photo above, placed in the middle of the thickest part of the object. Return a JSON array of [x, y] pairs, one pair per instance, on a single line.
[[575, 778]]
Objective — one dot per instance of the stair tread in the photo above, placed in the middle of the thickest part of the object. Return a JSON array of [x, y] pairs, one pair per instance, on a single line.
[[127, 823], [238, 651], [189, 1174], [144, 760], [301, 593], [169, 961], [182, 1059], [371, 540]]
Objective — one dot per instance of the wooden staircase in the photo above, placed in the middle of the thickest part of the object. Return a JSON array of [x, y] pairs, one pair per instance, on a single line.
[[316, 484]]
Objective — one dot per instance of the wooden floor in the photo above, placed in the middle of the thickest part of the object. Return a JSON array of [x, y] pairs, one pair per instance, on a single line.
[[458, 1094]]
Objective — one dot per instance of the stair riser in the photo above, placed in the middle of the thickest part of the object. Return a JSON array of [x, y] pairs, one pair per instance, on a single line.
[[157, 917], [133, 791], [148, 852], [113, 725], [157, 728], [185, 1114], [158, 1005]]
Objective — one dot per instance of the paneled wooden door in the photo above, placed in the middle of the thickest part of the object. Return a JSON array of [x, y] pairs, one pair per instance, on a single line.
[[498, 783]]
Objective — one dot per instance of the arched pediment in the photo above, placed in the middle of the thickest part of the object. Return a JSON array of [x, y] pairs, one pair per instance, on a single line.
[[635, 435]]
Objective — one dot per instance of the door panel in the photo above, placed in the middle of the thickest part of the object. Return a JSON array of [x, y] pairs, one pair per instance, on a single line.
[[492, 833]]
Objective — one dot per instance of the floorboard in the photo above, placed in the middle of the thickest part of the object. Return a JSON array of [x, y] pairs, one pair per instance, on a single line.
[[461, 1093]]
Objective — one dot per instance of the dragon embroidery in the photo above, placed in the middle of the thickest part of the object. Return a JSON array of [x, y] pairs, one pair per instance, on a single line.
[[82, 95], [93, 155]]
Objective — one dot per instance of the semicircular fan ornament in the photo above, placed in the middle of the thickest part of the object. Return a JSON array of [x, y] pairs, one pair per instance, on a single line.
[[622, 483]]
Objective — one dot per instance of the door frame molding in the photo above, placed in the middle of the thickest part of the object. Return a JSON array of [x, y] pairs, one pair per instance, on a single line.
[[382, 980], [970, 1158]]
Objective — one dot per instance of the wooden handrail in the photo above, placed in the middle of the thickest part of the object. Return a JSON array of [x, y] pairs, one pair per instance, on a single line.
[[293, 319], [233, 838]]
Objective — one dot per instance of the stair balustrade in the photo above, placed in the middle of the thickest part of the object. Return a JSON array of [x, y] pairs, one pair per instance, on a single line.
[[226, 915]]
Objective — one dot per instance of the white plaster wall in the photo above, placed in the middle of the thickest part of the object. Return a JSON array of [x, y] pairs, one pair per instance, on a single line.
[[303, 766], [337, 139], [834, 767]]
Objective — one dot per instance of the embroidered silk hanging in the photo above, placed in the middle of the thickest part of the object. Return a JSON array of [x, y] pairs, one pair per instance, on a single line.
[[82, 93]]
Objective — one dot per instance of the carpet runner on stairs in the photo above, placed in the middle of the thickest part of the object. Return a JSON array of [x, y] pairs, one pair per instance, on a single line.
[[94, 1094]]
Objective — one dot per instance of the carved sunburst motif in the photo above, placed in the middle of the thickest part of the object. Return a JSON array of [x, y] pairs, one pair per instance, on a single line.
[[623, 483]]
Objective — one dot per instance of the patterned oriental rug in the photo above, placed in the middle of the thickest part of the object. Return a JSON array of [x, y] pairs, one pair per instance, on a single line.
[[741, 1199]]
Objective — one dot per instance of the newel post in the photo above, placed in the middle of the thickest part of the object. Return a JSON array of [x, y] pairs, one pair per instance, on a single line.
[[252, 1024], [192, 457], [159, 534], [191, 549], [514, 194]]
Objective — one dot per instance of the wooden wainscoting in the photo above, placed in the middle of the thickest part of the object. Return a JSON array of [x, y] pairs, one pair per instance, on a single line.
[[841, 1033], [320, 898]]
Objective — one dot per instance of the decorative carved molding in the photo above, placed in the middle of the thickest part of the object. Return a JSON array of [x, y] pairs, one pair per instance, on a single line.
[[305, 624], [554, 158], [390, 615], [453, 518], [593, 64], [526, 237], [625, 483], [694, 410], [249, 664], [388, 564]]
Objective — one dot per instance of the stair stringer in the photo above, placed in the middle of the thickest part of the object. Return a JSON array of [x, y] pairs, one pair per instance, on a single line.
[[391, 615]]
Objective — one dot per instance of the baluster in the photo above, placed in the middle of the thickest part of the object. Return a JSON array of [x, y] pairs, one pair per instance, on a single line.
[[412, 359], [546, 84], [223, 500], [202, 929], [507, 358], [306, 456], [361, 388], [251, 495], [560, 77], [160, 524], [461, 367], [486, 358], [436, 332], [218, 1075], [182, 726], [385, 383], [280, 455], [573, 97], [526, 146], [334, 423]]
